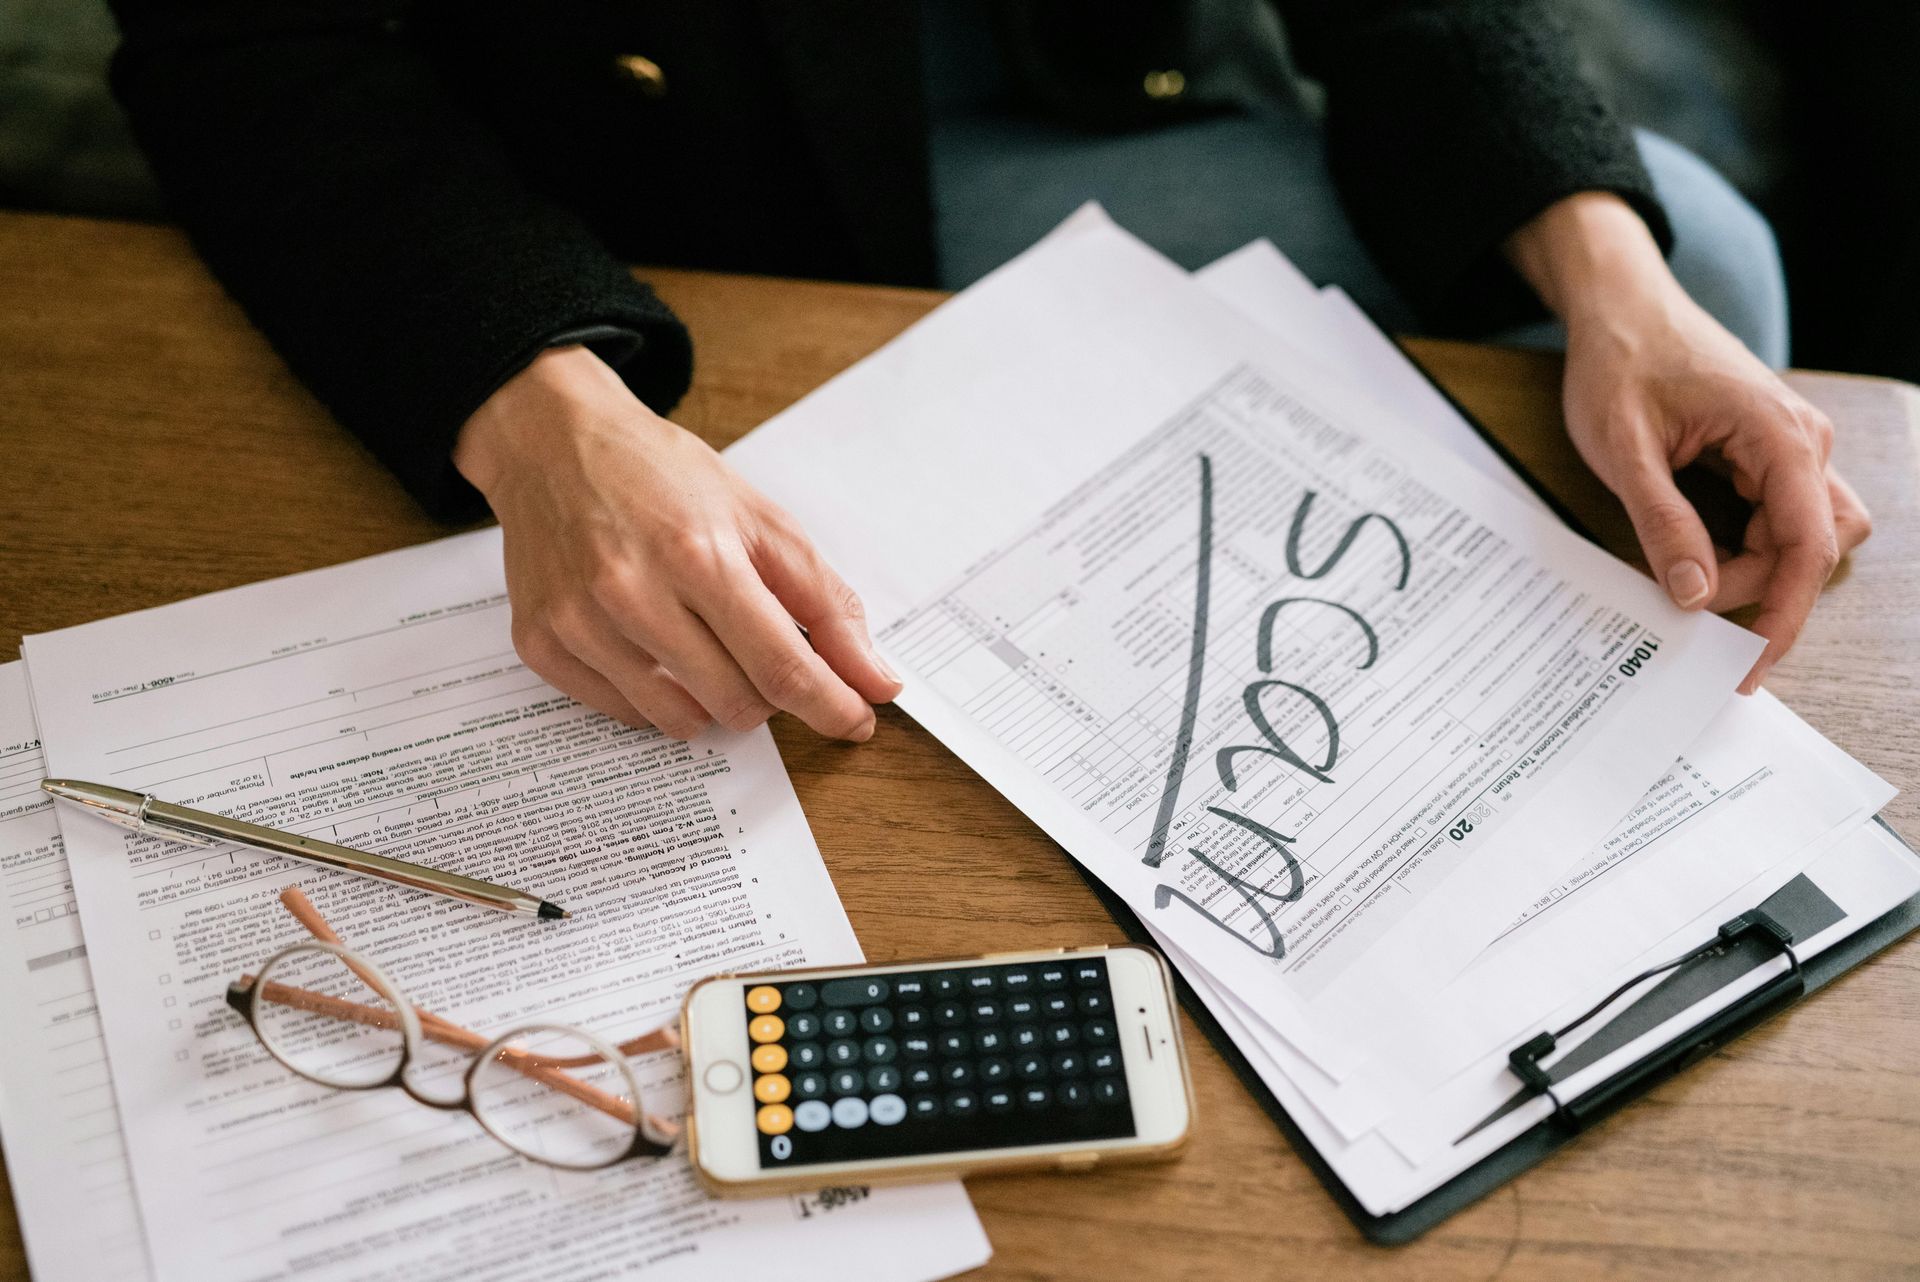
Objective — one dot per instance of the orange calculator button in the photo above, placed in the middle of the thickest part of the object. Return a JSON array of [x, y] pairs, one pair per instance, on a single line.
[[763, 1000], [769, 1059], [766, 1028], [772, 1088], [774, 1119]]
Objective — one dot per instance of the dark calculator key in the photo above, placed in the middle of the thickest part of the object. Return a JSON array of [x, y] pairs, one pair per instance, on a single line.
[[1016, 981], [1021, 1007], [854, 992], [921, 1075], [916, 1047], [981, 981], [913, 1017], [946, 984], [989, 1040], [801, 997], [883, 1079], [805, 1055], [840, 1053], [1073, 1094], [1104, 1061], [879, 1050], [924, 1106], [954, 1043], [878, 1019], [958, 1073], [986, 1012], [1035, 1096], [802, 1028], [1094, 1003], [995, 1070], [1099, 1031], [998, 1101], [1024, 1036], [1031, 1067], [1060, 1035], [962, 1103], [909, 988], [847, 1081], [1109, 1090], [949, 1014], [1057, 1004], [1091, 972], [1053, 975], [1067, 1063], [840, 1022], [809, 1085]]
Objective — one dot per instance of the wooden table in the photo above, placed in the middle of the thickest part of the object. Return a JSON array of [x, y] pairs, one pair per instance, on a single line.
[[1796, 1152]]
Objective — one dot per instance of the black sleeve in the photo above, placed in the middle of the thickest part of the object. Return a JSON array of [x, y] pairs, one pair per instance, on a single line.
[[1449, 124], [376, 234]]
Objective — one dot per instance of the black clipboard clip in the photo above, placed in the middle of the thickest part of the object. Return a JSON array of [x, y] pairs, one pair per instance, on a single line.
[[1583, 1110]]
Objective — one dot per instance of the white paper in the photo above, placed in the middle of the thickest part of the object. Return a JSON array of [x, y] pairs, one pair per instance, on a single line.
[[1031, 453], [1759, 795], [380, 704], [1259, 282], [66, 1159]]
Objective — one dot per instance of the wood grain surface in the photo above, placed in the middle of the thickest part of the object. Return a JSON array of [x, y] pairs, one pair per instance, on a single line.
[[155, 448]]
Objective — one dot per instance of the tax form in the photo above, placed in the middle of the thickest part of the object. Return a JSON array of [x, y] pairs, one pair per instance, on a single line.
[[66, 1159], [380, 704], [1759, 795], [1326, 710]]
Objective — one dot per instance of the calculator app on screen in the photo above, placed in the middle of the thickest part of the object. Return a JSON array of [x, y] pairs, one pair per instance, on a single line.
[[980, 1057]]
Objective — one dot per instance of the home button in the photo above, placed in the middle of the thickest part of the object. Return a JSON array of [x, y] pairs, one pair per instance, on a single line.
[[724, 1077]]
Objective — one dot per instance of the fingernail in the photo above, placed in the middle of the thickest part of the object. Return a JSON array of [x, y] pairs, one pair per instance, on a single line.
[[1687, 584], [886, 669]]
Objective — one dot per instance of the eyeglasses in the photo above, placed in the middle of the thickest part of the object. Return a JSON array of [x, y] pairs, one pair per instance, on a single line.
[[551, 1092]]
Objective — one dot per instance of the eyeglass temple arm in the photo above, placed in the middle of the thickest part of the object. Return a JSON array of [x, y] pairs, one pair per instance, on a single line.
[[297, 903], [542, 1068]]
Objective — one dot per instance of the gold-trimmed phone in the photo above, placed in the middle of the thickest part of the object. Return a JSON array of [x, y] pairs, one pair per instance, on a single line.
[[921, 1070]]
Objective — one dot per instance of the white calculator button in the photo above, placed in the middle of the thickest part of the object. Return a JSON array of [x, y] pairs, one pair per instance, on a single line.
[[814, 1115], [850, 1112], [887, 1109]]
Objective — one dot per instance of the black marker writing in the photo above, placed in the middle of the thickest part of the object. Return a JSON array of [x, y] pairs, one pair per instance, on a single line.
[[1255, 897], [1196, 661], [1346, 541]]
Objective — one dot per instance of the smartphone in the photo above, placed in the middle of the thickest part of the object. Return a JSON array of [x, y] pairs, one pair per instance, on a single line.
[[886, 1074]]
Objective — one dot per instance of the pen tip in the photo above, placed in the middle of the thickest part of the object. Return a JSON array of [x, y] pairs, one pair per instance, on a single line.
[[548, 910]]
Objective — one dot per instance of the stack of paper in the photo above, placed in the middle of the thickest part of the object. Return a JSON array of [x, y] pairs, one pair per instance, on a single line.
[[1204, 576], [380, 704]]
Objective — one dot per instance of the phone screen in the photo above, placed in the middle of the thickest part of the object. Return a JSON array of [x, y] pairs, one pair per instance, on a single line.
[[976, 1057]]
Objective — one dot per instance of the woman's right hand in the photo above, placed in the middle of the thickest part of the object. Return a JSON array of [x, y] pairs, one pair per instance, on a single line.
[[650, 582]]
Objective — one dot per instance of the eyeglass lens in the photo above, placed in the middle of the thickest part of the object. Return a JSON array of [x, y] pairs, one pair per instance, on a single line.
[[325, 1022], [553, 1095]]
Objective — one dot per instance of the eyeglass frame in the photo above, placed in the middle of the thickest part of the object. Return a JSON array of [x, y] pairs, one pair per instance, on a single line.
[[244, 996]]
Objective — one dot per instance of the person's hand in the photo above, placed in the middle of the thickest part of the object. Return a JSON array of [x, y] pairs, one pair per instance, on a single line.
[[646, 579], [1654, 383]]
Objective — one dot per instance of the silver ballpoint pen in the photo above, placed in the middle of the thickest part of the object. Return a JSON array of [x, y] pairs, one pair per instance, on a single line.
[[143, 813]]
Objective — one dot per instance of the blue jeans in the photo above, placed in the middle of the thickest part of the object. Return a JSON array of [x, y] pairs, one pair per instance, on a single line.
[[1198, 190]]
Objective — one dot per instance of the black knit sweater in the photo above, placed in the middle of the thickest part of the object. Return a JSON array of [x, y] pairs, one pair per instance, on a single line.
[[411, 200]]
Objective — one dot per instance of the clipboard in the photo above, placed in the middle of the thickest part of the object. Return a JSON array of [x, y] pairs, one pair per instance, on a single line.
[[1756, 938], [1799, 903]]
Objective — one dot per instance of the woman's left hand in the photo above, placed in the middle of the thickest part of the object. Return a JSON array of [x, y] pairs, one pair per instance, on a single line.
[[1654, 383]]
